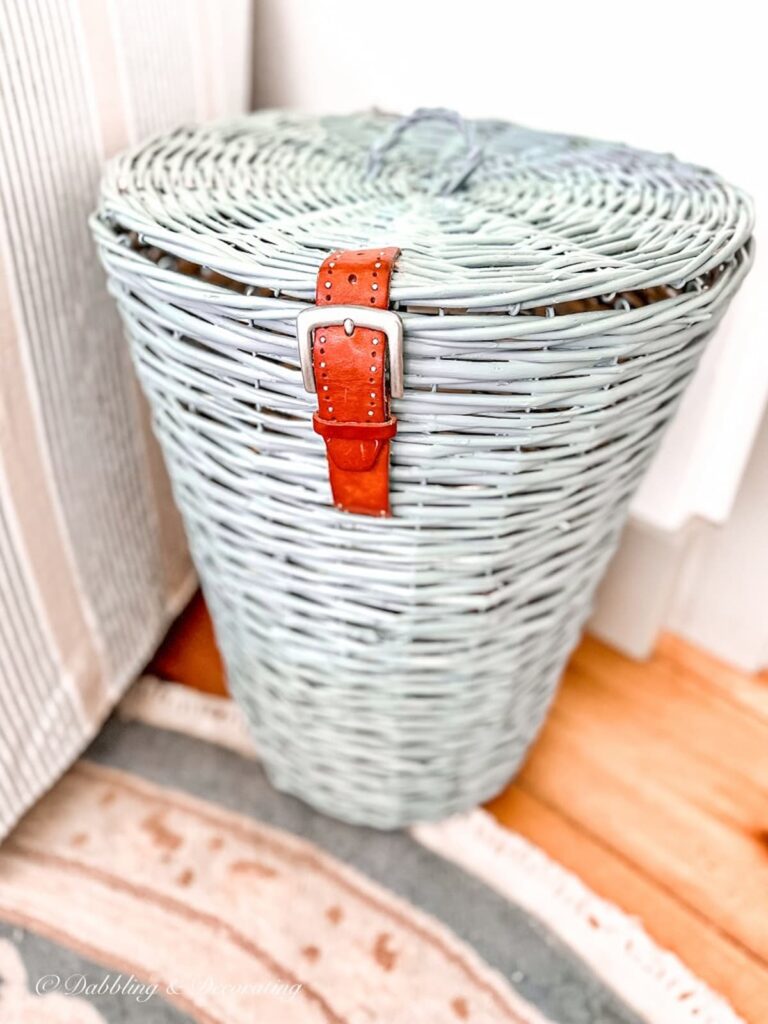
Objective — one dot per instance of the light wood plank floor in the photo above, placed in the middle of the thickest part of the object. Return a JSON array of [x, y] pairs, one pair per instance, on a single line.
[[649, 781]]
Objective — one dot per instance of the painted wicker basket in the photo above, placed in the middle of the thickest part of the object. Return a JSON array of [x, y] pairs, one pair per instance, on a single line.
[[555, 293]]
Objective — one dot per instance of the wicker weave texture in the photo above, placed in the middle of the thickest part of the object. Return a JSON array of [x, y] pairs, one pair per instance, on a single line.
[[555, 302]]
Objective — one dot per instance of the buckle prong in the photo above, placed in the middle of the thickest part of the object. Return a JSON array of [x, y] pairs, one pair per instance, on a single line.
[[384, 320]]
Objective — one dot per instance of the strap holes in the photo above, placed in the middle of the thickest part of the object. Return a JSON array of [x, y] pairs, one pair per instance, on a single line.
[[328, 298], [373, 298], [352, 278], [375, 274]]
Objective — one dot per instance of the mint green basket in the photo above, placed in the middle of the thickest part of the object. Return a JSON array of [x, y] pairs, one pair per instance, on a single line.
[[556, 294]]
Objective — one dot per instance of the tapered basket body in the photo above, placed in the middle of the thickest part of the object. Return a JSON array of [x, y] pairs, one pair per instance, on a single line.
[[555, 297]]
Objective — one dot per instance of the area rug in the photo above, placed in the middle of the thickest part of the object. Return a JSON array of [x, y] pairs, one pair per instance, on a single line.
[[164, 880]]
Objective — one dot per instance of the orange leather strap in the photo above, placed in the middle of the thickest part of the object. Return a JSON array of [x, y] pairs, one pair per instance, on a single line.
[[350, 369]]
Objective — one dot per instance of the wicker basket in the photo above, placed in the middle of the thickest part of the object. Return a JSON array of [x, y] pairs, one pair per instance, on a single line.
[[556, 294]]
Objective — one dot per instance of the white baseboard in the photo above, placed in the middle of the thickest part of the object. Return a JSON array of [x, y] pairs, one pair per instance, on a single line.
[[706, 582]]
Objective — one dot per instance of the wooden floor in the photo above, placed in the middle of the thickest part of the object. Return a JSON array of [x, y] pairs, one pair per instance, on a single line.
[[650, 782]]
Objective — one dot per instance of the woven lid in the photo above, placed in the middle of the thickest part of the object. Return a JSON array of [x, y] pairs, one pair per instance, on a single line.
[[488, 215]]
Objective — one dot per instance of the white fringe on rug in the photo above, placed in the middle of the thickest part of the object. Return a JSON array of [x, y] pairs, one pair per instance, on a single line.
[[655, 983]]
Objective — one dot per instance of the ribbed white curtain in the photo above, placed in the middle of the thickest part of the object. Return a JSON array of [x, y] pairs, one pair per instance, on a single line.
[[93, 562]]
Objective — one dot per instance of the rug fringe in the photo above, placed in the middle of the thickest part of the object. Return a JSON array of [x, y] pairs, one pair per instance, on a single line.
[[653, 981]]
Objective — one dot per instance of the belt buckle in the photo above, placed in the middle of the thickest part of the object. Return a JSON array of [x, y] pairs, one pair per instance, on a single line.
[[385, 320]]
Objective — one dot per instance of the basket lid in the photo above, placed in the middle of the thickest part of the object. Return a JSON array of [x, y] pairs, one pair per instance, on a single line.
[[487, 214]]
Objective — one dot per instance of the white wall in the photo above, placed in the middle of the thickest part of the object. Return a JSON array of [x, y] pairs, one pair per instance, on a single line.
[[687, 78]]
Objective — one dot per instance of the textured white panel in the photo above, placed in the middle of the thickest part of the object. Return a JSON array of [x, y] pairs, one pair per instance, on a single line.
[[92, 557]]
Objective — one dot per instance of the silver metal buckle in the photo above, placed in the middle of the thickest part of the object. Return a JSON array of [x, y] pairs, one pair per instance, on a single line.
[[384, 320]]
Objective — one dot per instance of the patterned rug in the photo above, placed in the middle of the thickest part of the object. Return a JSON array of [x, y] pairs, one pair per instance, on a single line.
[[163, 880]]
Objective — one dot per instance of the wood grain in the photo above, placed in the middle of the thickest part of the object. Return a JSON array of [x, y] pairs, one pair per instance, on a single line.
[[649, 781], [189, 653]]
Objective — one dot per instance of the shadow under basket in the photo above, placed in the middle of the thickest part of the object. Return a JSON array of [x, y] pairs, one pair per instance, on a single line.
[[555, 293]]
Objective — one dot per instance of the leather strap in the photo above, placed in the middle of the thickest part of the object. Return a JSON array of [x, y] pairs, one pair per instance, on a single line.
[[353, 413]]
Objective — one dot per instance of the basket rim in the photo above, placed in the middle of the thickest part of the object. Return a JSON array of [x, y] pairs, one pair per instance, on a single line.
[[549, 219]]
